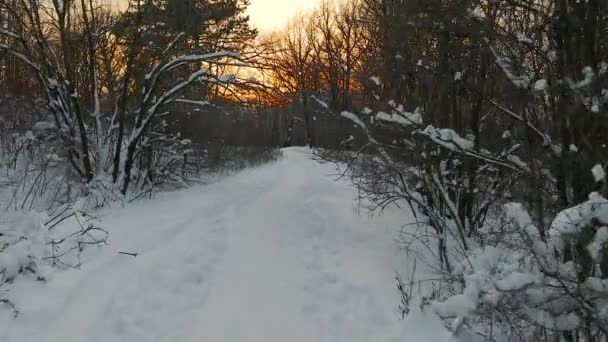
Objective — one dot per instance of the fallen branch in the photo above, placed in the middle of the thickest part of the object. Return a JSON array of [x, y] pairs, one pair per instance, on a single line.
[[130, 254]]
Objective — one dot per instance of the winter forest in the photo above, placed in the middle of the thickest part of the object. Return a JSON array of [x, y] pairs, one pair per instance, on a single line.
[[372, 170]]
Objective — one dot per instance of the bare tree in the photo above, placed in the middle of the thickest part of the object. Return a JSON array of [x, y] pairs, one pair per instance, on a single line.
[[113, 144]]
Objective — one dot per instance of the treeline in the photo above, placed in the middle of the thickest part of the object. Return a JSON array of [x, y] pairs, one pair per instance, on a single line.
[[488, 118]]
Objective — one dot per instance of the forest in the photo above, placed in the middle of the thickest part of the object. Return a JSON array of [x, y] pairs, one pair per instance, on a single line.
[[483, 119]]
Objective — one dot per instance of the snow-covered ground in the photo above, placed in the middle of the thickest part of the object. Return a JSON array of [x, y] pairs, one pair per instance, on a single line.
[[276, 253]]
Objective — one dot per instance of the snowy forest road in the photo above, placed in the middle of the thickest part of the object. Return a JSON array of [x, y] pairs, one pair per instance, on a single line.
[[275, 253]]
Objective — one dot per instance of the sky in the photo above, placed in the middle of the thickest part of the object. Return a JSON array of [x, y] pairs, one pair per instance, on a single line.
[[269, 15]]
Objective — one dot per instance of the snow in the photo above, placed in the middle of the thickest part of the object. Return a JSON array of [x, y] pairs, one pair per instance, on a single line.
[[599, 243], [22, 239], [476, 13], [520, 81], [598, 173], [515, 281], [425, 327], [405, 119], [569, 222], [563, 322], [349, 139], [596, 284], [541, 85], [603, 68], [52, 83], [448, 138], [518, 162], [522, 38], [458, 305], [320, 102], [13, 259], [589, 75], [227, 78], [43, 125], [516, 213], [276, 253], [355, 119]]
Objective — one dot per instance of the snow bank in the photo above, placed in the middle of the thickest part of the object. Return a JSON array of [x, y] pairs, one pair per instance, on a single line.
[[14, 258], [423, 326], [32, 244], [22, 241]]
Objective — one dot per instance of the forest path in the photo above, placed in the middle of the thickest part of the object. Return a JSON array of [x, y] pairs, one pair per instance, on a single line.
[[276, 253]]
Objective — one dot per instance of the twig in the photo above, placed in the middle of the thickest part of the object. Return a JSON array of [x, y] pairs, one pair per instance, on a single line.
[[10, 305], [130, 254]]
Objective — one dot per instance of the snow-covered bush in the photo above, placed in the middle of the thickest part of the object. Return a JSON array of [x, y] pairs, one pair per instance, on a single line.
[[502, 272], [114, 141], [537, 285], [31, 242], [496, 148], [36, 176]]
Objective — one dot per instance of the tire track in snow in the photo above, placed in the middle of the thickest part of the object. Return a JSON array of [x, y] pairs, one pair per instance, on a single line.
[[252, 299], [162, 295], [348, 289], [158, 299], [158, 230]]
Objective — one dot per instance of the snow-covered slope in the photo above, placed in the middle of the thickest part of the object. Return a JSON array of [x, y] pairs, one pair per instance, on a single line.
[[277, 253]]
